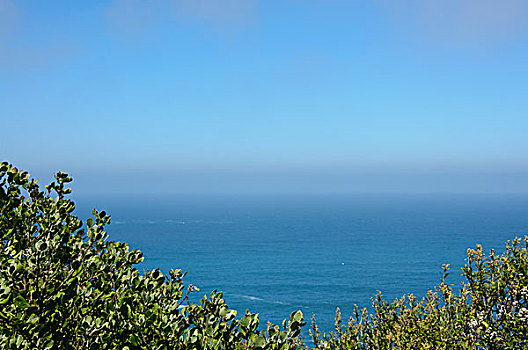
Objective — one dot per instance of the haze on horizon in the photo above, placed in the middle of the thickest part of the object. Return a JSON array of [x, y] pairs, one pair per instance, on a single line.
[[247, 96]]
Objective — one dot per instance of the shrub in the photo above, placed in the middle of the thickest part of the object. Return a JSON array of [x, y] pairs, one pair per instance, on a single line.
[[65, 285], [490, 311]]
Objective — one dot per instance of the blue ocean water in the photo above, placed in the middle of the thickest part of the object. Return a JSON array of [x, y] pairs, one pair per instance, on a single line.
[[276, 254]]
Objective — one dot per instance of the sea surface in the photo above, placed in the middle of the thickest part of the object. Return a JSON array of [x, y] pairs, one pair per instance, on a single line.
[[276, 254]]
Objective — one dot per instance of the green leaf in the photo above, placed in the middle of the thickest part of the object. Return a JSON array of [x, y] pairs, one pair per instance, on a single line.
[[20, 302], [297, 316]]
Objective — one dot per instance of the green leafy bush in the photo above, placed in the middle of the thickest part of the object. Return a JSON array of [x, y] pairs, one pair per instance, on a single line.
[[64, 285], [490, 311]]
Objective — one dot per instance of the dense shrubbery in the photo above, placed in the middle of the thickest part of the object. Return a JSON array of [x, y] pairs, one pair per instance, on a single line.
[[65, 285], [490, 311]]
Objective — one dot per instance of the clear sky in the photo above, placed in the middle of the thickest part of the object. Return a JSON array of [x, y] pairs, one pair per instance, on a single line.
[[244, 96]]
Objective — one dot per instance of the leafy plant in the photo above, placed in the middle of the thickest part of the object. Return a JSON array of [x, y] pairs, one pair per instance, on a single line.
[[65, 285], [490, 311]]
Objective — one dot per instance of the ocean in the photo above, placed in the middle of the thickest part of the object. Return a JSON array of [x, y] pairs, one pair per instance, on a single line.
[[275, 254]]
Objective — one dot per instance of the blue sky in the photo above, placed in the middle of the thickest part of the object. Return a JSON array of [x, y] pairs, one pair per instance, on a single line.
[[246, 96]]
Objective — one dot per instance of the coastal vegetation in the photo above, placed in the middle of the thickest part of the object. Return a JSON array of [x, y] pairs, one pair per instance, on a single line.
[[65, 285]]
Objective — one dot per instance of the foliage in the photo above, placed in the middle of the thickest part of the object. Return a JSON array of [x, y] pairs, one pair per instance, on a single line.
[[65, 285], [490, 311]]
